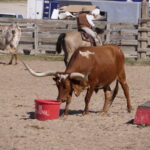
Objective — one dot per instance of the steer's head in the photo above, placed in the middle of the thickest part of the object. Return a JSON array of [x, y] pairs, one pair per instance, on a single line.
[[69, 83], [64, 86]]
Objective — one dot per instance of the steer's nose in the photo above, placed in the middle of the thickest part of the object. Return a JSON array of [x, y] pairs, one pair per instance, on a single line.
[[61, 100]]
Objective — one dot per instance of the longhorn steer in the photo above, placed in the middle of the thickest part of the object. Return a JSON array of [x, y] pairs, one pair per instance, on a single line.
[[9, 40], [91, 68]]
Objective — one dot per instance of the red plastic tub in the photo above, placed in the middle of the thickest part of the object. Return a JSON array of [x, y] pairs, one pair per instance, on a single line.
[[47, 109], [143, 114]]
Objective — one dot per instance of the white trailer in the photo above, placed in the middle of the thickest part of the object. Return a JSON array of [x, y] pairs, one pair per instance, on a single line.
[[40, 9], [35, 9]]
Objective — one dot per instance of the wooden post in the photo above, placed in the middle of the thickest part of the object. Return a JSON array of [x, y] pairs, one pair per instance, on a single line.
[[144, 34], [107, 40], [35, 36]]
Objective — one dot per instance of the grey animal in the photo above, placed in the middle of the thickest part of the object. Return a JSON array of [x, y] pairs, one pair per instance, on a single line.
[[9, 40]]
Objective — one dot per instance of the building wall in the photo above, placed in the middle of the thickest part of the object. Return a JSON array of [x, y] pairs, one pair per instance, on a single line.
[[117, 11], [120, 11]]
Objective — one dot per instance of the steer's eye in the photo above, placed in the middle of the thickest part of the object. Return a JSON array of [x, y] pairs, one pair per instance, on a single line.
[[64, 86], [76, 82], [54, 78], [57, 81]]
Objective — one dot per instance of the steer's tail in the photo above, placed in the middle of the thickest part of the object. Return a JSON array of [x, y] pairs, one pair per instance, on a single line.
[[115, 91], [59, 42]]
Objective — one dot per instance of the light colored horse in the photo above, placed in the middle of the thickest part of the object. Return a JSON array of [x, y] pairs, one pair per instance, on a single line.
[[69, 42], [9, 40]]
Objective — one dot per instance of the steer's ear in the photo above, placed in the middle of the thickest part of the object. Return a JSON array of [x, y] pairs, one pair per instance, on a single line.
[[79, 78], [78, 86], [79, 82]]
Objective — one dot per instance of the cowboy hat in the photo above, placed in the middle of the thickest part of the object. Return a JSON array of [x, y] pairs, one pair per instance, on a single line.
[[84, 9]]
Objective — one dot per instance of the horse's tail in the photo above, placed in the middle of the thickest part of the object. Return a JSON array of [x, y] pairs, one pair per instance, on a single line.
[[59, 42], [115, 91]]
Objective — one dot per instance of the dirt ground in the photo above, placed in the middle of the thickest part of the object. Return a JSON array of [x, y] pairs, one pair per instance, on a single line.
[[20, 131]]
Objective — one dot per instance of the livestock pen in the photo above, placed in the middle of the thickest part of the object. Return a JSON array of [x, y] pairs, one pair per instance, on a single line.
[[39, 36]]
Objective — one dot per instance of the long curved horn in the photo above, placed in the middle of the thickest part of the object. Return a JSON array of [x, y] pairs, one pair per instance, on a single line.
[[38, 74], [77, 74]]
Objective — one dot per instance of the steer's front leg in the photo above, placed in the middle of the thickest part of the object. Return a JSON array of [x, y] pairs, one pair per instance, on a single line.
[[67, 106], [87, 100]]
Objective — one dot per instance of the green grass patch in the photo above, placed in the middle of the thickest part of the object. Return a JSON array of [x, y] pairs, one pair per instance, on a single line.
[[44, 57], [129, 61]]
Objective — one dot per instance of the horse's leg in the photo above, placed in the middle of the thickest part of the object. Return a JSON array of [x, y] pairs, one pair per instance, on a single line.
[[65, 53], [11, 59], [13, 52], [16, 59], [65, 58], [12, 55], [100, 40], [70, 55]]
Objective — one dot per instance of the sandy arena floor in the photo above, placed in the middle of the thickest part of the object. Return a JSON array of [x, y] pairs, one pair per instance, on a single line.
[[20, 131]]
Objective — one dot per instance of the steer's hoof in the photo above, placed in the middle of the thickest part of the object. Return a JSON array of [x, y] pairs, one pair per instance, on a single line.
[[85, 113], [104, 113], [64, 114], [129, 109], [9, 63]]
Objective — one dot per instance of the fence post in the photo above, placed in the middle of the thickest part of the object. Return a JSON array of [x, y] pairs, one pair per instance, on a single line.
[[35, 36], [143, 39], [107, 38]]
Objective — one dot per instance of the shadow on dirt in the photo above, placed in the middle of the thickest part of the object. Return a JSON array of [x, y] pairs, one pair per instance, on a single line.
[[2, 63], [71, 112], [31, 115], [131, 122], [77, 112]]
